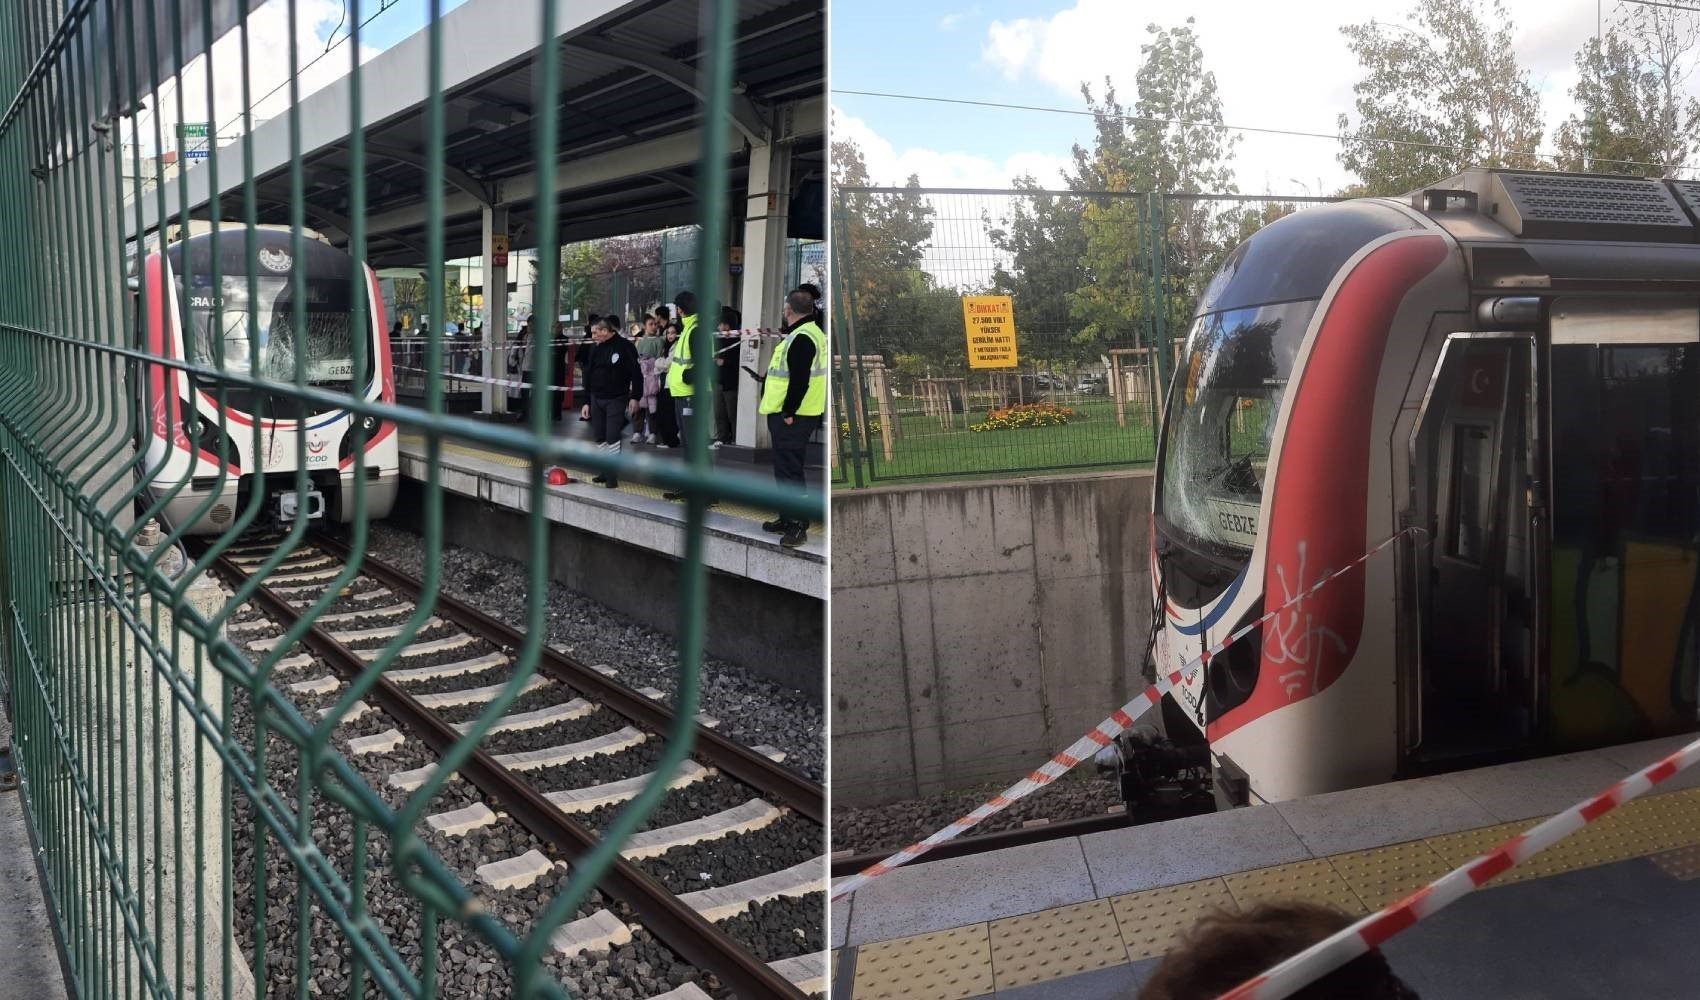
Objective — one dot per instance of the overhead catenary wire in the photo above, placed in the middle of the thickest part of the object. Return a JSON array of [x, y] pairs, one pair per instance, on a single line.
[[1262, 130]]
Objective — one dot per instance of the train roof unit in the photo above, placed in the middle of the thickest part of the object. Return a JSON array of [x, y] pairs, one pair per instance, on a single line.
[[1537, 231]]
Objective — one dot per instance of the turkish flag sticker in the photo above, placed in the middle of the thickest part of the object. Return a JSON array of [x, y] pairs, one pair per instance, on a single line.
[[1483, 387]]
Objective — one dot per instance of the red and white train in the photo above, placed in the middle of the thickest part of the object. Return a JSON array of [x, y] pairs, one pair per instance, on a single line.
[[1503, 373], [267, 437]]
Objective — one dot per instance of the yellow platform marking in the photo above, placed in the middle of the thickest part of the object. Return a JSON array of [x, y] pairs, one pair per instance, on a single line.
[[1385, 874], [1312, 881], [1050, 944], [1457, 848], [1153, 920], [1053, 943], [634, 489], [944, 965]]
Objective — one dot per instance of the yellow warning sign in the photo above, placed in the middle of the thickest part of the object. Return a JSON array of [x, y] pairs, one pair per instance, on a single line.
[[990, 323]]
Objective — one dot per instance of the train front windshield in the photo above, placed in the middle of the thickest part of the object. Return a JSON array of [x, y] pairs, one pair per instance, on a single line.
[[1222, 420], [325, 330], [264, 320]]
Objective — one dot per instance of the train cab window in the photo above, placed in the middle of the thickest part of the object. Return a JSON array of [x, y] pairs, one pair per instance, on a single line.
[[1472, 484], [247, 319], [1221, 426]]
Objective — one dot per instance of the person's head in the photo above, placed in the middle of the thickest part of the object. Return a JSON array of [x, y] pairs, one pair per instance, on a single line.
[[1225, 949], [798, 305], [672, 332], [650, 325], [662, 316], [812, 290], [686, 302], [601, 330]]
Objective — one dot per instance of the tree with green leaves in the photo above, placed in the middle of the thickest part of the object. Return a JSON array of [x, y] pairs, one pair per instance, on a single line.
[[581, 263], [1045, 266], [1634, 113], [880, 240], [1440, 93], [1171, 142], [454, 297]]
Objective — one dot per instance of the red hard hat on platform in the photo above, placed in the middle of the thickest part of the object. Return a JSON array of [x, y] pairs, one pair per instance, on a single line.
[[557, 476]]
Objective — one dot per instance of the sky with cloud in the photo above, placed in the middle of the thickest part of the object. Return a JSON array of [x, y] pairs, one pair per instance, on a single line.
[[320, 25], [1277, 65]]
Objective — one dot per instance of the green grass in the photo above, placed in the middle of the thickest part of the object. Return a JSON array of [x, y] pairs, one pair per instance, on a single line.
[[1092, 439]]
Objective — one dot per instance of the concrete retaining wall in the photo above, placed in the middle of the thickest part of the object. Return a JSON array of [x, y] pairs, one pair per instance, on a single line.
[[977, 628]]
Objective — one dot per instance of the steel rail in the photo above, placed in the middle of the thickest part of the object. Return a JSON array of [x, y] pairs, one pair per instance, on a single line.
[[730, 757], [672, 922], [850, 864]]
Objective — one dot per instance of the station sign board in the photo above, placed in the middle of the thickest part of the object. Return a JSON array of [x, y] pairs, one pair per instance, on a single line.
[[989, 323]]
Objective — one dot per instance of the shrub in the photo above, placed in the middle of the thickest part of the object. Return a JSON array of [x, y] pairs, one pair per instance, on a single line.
[[1020, 415]]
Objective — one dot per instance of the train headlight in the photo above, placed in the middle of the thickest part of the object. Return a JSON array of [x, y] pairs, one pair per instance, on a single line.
[[369, 424]]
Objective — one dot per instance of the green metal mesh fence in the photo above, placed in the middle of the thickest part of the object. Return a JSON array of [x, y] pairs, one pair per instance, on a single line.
[[143, 734], [1102, 286]]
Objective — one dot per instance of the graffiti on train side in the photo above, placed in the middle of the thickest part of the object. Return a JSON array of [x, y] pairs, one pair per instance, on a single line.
[[1294, 638]]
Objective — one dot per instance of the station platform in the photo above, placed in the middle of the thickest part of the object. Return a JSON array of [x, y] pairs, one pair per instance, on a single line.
[[1608, 912], [634, 514]]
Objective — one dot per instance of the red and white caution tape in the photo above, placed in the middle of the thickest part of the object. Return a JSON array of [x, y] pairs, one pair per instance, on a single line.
[[1098, 737], [454, 344], [1330, 953], [485, 379]]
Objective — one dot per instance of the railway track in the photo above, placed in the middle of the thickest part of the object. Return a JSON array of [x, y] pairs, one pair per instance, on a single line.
[[725, 875]]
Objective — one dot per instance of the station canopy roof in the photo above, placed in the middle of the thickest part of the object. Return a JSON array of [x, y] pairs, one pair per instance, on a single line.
[[629, 132]]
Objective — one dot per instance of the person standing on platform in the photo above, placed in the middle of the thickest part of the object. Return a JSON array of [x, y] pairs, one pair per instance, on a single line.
[[683, 374], [519, 357], [560, 375], [648, 342], [726, 370], [666, 408], [793, 397], [613, 381]]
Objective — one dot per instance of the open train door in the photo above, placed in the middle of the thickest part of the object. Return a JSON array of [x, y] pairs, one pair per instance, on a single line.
[[1473, 456], [1624, 380]]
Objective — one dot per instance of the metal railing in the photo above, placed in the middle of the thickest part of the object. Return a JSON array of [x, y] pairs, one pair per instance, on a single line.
[[141, 730], [1102, 286]]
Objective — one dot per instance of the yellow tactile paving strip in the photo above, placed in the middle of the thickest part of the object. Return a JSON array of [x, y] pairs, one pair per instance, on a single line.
[[944, 965], [1153, 921], [1050, 944], [630, 488], [1054, 943]]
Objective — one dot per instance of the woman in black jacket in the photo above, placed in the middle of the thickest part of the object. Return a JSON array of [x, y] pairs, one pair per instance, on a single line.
[[613, 384]]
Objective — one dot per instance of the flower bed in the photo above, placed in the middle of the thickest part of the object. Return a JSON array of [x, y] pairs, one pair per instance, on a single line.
[[1025, 415]]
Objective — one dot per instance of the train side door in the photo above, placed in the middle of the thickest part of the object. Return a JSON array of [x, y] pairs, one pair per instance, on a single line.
[[1625, 555], [1471, 456]]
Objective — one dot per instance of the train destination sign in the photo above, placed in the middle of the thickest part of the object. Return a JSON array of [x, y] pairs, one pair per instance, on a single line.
[[989, 321], [1235, 521]]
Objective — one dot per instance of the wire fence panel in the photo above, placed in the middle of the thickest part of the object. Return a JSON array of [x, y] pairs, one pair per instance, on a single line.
[[176, 370], [1016, 331]]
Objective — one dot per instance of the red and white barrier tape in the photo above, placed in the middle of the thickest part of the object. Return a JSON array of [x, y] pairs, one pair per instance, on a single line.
[[486, 380], [1098, 737], [1330, 953], [454, 343]]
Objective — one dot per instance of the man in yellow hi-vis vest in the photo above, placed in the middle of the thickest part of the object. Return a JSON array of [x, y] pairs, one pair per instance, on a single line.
[[793, 396], [682, 380]]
